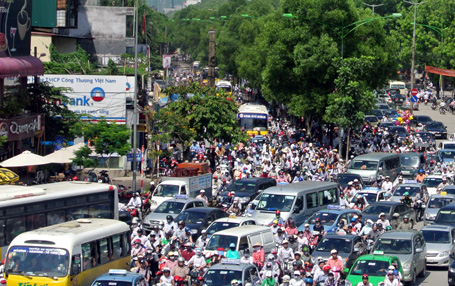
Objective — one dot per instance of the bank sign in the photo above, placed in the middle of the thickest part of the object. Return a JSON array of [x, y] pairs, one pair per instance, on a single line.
[[95, 97]]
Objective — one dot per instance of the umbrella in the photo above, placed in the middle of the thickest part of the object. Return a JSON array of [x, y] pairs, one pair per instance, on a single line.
[[7, 176], [24, 159], [76, 146], [62, 156]]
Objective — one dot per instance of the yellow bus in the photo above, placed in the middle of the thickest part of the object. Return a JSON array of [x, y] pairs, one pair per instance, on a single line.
[[25, 208], [253, 118], [72, 253]]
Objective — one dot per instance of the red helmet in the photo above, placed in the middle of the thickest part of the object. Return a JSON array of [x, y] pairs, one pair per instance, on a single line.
[[318, 219], [277, 212]]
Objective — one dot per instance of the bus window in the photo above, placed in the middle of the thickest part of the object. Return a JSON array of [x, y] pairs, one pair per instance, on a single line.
[[81, 200], [14, 227], [95, 253], [76, 264], [104, 252], [77, 213], [86, 256], [36, 221], [116, 246], [99, 211], [2, 232], [55, 217], [125, 239]]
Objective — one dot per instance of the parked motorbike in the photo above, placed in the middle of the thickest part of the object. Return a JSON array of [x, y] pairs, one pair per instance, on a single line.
[[104, 177], [91, 176]]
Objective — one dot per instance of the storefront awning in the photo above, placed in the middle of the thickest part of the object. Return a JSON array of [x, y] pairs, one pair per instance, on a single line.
[[20, 67]]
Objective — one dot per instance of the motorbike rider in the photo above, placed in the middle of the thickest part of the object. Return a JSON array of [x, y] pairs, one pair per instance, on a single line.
[[420, 200], [374, 233], [406, 199], [202, 196], [385, 222], [293, 244], [202, 240], [235, 207], [258, 254], [442, 185], [181, 270], [365, 281], [197, 260], [387, 185], [140, 236], [421, 176], [269, 280], [136, 203], [318, 226], [334, 260], [246, 258], [170, 224], [285, 252], [306, 256], [286, 280], [324, 276], [138, 249], [405, 224], [232, 253], [297, 279], [279, 236]]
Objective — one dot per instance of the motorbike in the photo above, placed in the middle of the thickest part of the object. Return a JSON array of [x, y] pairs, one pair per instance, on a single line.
[[91, 176], [104, 177], [433, 106], [316, 237], [370, 243], [419, 207]]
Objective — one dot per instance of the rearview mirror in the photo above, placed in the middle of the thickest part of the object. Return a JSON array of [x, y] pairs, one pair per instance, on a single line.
[[396, 215], [356, 249]]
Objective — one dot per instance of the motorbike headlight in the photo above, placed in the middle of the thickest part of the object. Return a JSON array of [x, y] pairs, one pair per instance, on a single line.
[[444, 253], [407, 265], [451, 270], [194, 231]]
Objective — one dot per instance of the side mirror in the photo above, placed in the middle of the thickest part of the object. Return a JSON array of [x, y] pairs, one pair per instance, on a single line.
[[346, 270], [356, 249], [75, 269], [380, 168], [419, 250], [296, 210], [396, 215]]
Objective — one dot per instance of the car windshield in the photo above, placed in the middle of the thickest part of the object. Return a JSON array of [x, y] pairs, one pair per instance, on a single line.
[[169, 207], [411, 161], [423, 119], [371, 119], [449, 145], [218, 226], [426, 137], [432, 182], [222, 277], [371, 198], [218, 240], [37, 261], [398, 130], [445, 217], [435, 124], [239, 186], [446, 154], [450, 190], [341, 244], [273, 202], [164, 190], [191, 217], [343, 179], [399, 191], [437, 203], [326, 218], [432, 236], [370, 267], [376, 209], [363, 165], [393, 246]]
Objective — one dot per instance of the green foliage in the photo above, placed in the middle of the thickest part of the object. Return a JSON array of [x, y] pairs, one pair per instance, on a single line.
[[78, 62], [83, 158], [3, 140], [112, 68], [207, 114]]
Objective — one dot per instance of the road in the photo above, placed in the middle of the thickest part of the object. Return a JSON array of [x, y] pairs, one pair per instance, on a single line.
[[435, 276]]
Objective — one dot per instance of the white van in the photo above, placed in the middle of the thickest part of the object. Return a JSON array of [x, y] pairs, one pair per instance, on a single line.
[[244, 237], [400, 85], [297, 201]]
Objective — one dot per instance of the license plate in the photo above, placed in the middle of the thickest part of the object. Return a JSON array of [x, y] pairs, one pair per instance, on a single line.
[[430, 259]]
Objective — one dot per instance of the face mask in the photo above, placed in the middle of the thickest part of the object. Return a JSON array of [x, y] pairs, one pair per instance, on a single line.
[[257, 249]]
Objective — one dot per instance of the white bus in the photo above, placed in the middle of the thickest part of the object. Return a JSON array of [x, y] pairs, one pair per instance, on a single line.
[[69, 253], [25, 208], [253, 118], [224, 85], [401, 85]]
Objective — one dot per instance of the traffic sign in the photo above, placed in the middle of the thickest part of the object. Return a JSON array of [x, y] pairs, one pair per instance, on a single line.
[[129, 157], [414, 91], [414, 98]]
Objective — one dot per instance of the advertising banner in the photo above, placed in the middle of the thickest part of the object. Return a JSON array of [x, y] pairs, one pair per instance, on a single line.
[[15, 27], [20, 128], [96, 96], [167, 60], [440, 71]]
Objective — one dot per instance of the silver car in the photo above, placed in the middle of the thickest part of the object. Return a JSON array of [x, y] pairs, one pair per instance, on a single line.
[[409, 246], [412, 188], [435, 203], [440, 244]]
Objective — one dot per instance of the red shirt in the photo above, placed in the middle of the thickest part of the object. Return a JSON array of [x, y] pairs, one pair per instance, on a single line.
[[187, 254]]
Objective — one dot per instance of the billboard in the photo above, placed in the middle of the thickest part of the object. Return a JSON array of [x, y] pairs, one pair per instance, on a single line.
[[15, 27], [95, 96]]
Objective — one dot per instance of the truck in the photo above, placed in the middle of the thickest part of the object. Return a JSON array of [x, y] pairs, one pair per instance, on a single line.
[[187, 181]]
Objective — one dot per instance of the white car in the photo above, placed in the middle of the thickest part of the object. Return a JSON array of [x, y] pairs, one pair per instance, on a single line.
[[432, 182], [371, 194], [229, 222]]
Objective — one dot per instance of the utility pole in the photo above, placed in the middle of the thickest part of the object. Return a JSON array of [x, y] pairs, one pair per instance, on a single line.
[[373, 6], [415, 4], [212, 58], [136, 89]]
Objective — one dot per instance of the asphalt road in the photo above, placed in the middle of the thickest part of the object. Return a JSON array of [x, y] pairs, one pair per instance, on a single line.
[[435, 276]]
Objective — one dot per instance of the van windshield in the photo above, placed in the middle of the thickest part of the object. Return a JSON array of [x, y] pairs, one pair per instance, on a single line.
[[223, 241], [166, 190], [239, 186], [410, 161], [393, 246], [273, 202], [397, 85], [403, 189], [364, 165]]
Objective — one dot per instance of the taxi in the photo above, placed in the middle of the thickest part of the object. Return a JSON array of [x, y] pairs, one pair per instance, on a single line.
[[371, 194], [119, 277], [435, 203], [223, 273], [409, 186], [330, 218], [229, 222]]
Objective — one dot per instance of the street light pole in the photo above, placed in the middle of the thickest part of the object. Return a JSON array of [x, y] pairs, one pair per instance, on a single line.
[[415, 4], [134, 141], [373, 6]]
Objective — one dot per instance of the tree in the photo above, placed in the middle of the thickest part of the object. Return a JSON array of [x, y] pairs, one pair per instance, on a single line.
[[106, 138], [78, 62], [352, 97]]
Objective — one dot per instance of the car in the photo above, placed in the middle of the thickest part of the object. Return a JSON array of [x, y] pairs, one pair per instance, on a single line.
[[171, 207], [448, 190], [391, 113], [344, 178], [427, 140], [371, 194], [223, 273], [330, 218], [440, 244], [397, 98], [411, 163], [437, 128], [382, 106], [394, 212], [445, 155], [410, 248], [376, 112], [247, 189], [435, 203], [372, 120], [120, 277], [349, 248], [259, 140], [229, 222], [400, 131], [423, 119], [450, 144], [197, 219], [408, 104], [432, 182], [386, 124], [375, 266], [410, 186]]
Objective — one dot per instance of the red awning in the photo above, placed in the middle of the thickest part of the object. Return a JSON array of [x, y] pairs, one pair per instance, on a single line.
[[21, 67]]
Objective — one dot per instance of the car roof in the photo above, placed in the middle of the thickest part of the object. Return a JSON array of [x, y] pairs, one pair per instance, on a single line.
[[347, 236], [228, 266], [256, 179], [294, 189], [189, 200], [450, 196], [349, 175], [126, 277], [202, 210], [336, 211], [434, 176], [399, 234], [244, 229], [377, 257], [386, 203], [410, 185], [437, 227], [238, 219]]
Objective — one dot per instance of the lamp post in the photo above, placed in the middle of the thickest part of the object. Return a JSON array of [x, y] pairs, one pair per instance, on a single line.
[[415, 4], [350, 27], [373, 6]]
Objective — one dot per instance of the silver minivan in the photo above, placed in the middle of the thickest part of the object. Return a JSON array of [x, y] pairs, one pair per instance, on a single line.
[[297, 201], [371, 166]]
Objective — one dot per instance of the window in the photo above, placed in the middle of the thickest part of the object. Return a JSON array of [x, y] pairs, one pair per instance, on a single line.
[[86, 256], [76, 213], [36, 221], [100, 211], [299, 203], [199, 204], [56, 204], [129, 26], [327, 197], [253, 275], [55, 217], [311, 200], [98, 197], [268, 236], [125, 239], [2, 232], [392, 163], [183, 190], [381, 197], [400, 209], [34, 207], [190, 205], [14, 227], [104, 250], [116, 246], [76, 201], [76, 264], [15, 210], [243, 244], [255, 238]]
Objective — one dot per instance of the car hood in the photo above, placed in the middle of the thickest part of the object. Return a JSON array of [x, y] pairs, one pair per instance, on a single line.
[[356, 279], [157, 217], [326, 255], [263, 217], [435, 129], [239, 194], [438, 247]]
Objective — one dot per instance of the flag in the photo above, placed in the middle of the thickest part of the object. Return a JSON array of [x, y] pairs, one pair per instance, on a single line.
[[143, 23]]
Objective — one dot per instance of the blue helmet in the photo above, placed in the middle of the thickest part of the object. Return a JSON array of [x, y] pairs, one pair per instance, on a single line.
[[232, 245], [309, 280], [353, 219]]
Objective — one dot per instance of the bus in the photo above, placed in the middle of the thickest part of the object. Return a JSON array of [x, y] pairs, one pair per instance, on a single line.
[[401, 85], [224, 85], [68, 254], [25, 208], [253, 118]]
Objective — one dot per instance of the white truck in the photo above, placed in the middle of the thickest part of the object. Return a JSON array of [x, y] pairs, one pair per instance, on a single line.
[[181, 186]]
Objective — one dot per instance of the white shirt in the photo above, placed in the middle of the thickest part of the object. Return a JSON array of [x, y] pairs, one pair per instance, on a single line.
[[387, 186], [167, 280], [384, 223], [394, 282], [135, 202]]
